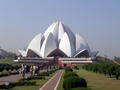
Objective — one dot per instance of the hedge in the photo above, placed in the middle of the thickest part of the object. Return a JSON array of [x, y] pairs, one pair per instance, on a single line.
[[47, 73], [68, 74], [8, 67], [68, 69], [19, 83], [36, 77], [25, 82], [8, 73], [11, 85], [79, 88], [73, 81]]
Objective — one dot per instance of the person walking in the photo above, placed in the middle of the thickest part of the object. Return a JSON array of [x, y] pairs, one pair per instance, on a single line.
[[33, 69], [23, 71]]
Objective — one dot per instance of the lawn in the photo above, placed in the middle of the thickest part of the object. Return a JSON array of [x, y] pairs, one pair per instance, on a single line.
[[95, 81], [6, 61], [99, 81], [39, 84]]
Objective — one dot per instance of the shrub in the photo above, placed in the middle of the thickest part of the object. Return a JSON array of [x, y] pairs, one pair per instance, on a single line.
[[35, 77], [69, 74], [44, 74], [3, 87], [8, 73], [11, 85], [47, 73], [52, 71], [8, 67], [73, 81], [25, 82], [75, 67], [11, 67], [13, 72], [1, 68], [68, 69], [16, 67], [60, 67], [79, 88], [117, 75], [4, 74]]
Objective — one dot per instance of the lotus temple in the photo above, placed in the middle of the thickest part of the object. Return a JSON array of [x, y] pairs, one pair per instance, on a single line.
[[58, 46]]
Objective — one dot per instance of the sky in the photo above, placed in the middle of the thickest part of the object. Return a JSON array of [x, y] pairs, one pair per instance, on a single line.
[[97, 21]]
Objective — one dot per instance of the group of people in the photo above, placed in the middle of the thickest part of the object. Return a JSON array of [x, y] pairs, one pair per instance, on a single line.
[[24, 69], [32, 69]]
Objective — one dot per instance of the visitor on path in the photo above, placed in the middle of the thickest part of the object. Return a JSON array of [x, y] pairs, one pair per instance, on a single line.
[[20, 70], [31, 70], [27, 68], [23, 71]]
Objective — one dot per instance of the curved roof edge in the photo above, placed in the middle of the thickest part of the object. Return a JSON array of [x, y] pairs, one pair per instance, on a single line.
[[56, 51], [81, 44], [33, 52], [35, 44], [80, 52], [22, 52], [94, 53]]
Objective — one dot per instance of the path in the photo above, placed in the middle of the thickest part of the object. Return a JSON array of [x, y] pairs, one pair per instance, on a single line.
[[53, 82], [11, 78], [114, 61]]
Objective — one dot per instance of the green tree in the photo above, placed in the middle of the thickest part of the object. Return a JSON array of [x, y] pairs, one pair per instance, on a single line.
[[117, 75]]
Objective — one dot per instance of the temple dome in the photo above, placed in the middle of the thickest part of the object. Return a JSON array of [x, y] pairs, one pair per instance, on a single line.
[[58, 40]]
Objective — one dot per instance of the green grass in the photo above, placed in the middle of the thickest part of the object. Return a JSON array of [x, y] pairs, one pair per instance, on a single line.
[[7, 61], [39, 84], [95, 81], [99, 81]]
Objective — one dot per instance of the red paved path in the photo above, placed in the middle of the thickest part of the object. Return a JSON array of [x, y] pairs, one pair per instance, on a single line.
[[51, 84], [114, 61], [11, 78]]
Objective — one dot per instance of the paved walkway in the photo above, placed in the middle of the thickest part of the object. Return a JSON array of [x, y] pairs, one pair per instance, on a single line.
[[53, 82], [11, 78], [114, 61]]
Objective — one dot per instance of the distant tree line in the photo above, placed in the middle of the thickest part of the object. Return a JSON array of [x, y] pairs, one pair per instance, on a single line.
[[100, 58], [8, 67], [5, 54], [107, 68], [117, 58]]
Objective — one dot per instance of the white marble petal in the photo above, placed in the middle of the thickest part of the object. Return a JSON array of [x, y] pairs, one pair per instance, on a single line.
[[35, 44], [48, 46], [65, 45], [58, 36]]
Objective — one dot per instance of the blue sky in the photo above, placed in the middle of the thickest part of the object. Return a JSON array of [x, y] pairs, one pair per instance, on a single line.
[[98, 21]]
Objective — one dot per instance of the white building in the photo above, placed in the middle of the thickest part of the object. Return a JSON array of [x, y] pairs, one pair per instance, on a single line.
[[58, 41]]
